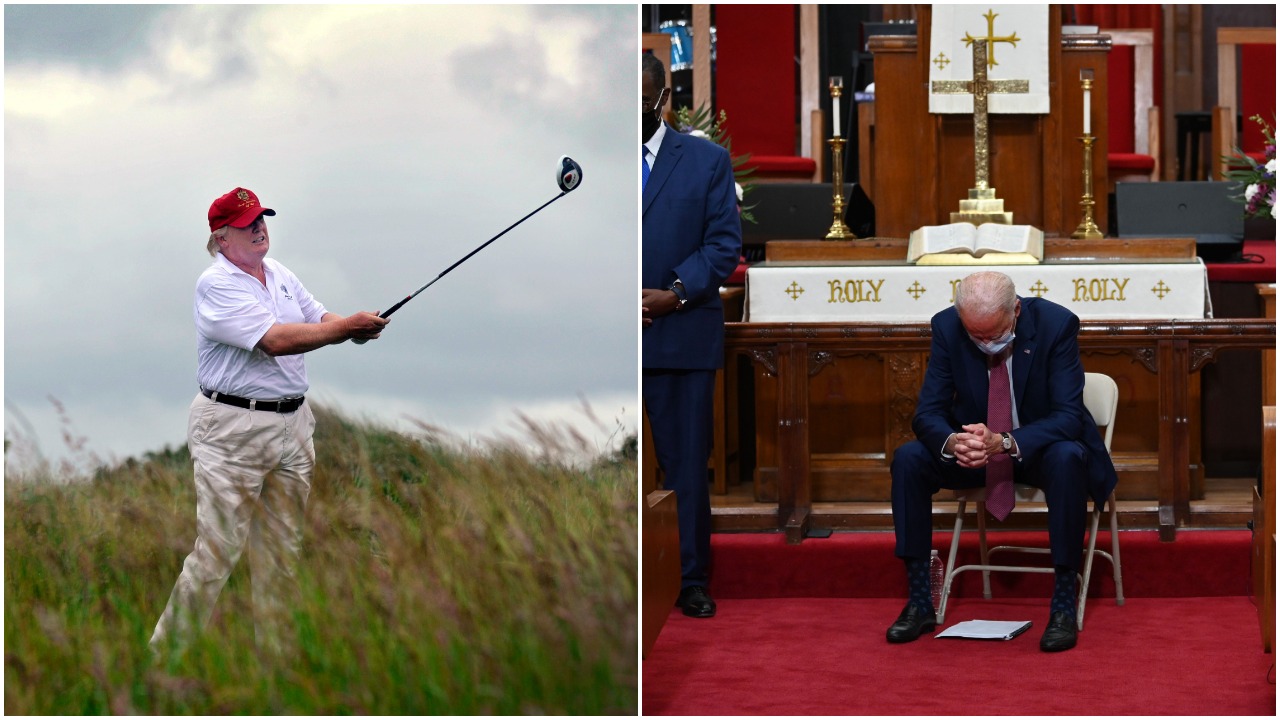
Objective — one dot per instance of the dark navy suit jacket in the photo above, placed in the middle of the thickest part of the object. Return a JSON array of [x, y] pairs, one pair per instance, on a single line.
[[1048, 387], [691, 231]]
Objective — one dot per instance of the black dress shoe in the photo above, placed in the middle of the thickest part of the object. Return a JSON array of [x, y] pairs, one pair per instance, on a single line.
[[695, 602], [1061, 633], [911, 623]]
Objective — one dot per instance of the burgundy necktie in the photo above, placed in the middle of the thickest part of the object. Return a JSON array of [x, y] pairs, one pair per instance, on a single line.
[[999, 419]]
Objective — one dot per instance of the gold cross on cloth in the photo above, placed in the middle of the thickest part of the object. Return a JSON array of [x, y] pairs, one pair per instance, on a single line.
[[992, 38], [980, 87]]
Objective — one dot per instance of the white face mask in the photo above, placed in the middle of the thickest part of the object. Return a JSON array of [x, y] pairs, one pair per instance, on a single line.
[[995, 347]]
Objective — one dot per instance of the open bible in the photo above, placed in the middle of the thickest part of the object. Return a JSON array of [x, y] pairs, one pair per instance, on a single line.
[[964, 244]]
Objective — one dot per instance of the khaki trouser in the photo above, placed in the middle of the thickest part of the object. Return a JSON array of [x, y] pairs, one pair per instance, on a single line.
[[252, 476]]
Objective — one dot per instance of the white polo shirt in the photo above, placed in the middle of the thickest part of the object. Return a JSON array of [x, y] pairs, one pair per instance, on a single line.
[[233, 311]]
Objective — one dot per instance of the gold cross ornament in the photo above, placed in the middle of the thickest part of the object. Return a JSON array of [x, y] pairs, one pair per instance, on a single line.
[[992, 38]]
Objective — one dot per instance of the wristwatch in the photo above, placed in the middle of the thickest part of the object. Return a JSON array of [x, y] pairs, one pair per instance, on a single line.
[[678, 288], [1006, 442]]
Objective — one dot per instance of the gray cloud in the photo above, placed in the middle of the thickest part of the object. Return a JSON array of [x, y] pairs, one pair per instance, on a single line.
[[104, 37], [373, 134]]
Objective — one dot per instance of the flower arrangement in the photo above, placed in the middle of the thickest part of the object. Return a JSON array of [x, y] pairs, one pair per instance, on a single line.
[[1258, 181], [700, 123]]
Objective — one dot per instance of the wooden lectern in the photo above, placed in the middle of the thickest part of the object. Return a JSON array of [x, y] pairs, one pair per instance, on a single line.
[[920, 165]]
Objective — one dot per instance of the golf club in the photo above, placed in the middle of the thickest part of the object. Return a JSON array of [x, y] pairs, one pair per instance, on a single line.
[[568, 177]]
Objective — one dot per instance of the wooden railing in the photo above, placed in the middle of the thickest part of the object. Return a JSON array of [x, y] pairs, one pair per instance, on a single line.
[[1264, 533], [786, 357]]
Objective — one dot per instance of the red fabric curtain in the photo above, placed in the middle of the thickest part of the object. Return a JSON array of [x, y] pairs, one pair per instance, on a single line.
[[1120, 123], [1257, 73], [755, 76]]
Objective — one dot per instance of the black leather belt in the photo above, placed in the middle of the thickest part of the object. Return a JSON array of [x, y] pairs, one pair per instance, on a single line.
[[277, 406]]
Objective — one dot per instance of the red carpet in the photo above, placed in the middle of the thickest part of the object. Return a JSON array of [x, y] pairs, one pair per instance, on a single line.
[[813, 643], [862, 564]]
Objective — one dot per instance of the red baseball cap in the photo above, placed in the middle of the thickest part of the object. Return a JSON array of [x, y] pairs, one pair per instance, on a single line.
[[238, 208]]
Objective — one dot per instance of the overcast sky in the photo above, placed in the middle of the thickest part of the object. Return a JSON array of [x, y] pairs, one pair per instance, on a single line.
[[391, 141]]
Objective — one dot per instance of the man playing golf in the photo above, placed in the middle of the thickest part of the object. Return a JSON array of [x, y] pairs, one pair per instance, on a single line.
[[249, 428]]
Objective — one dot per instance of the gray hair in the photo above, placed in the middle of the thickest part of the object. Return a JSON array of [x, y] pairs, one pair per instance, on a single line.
[[985, 293], [214, 236]]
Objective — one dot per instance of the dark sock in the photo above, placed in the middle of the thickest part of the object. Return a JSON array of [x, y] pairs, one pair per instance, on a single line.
[[1064, 590], [918, 583]]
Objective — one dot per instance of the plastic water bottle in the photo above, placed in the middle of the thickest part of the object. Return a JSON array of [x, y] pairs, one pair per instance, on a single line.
[[936, 577]]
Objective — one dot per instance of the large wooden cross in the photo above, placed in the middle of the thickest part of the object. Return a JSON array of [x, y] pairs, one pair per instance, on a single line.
[[980, 87]]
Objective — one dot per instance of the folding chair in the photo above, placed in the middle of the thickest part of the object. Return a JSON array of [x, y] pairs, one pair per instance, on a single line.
[[1101, 396]]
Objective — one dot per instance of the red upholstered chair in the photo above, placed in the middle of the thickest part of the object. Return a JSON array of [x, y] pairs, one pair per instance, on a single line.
[[756, 87], [1133, 122], [1246, 55], [1133, 114]]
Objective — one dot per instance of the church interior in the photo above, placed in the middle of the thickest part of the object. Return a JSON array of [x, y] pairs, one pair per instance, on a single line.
[[1129, 151]]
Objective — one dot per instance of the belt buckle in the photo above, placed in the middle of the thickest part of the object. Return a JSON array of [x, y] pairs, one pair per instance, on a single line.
[[253, 404]]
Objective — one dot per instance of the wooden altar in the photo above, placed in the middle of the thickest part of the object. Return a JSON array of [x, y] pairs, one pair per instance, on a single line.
[[827, 403]]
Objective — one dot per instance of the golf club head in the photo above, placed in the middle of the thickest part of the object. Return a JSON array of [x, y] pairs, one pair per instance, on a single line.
[[570, 173]]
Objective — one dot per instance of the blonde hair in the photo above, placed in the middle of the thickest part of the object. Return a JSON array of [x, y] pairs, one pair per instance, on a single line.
[[214, 236]]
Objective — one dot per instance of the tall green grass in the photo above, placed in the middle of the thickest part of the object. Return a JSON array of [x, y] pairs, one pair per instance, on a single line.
[[433, 580]]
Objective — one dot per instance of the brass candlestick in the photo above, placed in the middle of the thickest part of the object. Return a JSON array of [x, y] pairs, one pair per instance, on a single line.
[[1087, 229], [838, 231]]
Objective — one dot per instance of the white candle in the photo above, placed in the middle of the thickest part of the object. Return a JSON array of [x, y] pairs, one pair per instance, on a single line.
[[835, 84], [1086, 110]]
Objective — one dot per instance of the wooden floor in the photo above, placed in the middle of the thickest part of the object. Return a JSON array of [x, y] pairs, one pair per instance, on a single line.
[[1228, 503]]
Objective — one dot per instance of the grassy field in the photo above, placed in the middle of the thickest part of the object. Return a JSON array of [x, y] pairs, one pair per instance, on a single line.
[[434, 580]]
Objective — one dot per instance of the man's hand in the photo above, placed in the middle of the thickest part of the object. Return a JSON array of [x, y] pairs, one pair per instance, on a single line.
[[975, 444], [298, 338], [656, 303], [364, 326]]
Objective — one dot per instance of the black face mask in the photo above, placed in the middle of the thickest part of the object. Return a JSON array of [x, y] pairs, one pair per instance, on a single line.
[[648, 125]]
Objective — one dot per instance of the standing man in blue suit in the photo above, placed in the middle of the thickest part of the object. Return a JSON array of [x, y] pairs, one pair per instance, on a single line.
[[993, 350], [692, 239]]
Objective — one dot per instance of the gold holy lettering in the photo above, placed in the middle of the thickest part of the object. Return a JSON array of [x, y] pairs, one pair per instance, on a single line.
[[1099, 289], [855, 291]]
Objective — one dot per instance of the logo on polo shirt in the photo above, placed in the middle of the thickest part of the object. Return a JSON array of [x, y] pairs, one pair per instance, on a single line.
[[285, 290]]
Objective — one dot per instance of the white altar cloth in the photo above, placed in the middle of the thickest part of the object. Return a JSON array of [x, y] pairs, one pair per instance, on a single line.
[[812, 292]]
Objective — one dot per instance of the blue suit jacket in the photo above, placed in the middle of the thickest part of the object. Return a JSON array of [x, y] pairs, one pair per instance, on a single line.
[[1048, 387], [691, 231]]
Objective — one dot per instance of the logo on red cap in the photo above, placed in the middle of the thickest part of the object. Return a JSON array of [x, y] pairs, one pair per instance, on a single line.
[[238, 208]]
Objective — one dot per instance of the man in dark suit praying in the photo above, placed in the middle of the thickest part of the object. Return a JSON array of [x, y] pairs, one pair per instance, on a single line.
[[1002, 401], [692, 238]]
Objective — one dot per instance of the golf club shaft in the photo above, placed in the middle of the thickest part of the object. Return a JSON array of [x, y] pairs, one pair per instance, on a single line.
[[387, 313]]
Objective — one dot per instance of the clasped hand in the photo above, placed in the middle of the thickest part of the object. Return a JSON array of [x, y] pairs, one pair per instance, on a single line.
[[656, 303], [975, 444]]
